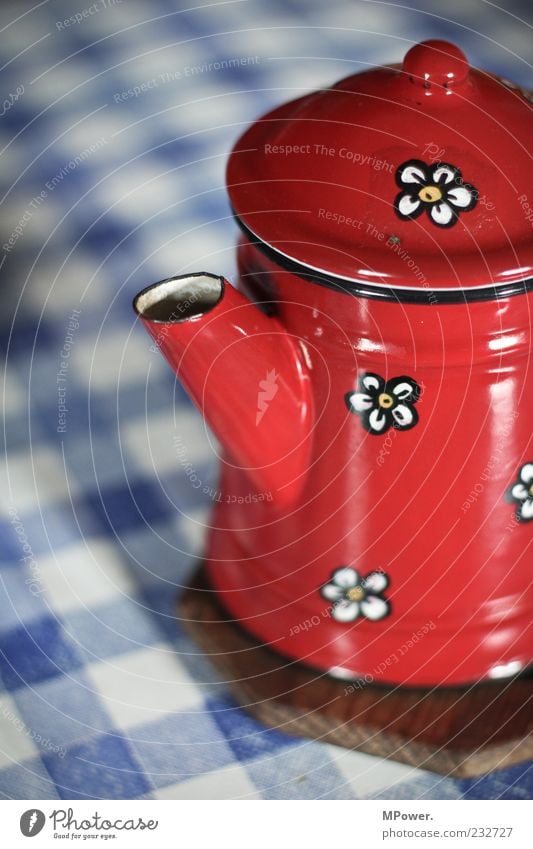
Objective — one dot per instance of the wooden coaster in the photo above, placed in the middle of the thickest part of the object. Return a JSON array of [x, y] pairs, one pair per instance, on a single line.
[[459, 731]]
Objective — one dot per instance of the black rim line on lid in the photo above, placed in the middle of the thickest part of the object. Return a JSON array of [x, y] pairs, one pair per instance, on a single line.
[[361, 289]]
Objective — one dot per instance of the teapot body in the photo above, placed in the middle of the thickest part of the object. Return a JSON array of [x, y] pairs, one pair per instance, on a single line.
[[406, 557], [370, 382]]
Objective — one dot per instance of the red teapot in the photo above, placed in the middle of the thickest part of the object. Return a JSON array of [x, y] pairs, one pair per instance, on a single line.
[[370, 376]]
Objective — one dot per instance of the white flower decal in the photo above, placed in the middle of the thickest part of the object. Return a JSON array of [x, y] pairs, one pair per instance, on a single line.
[[383, 404], [354, 596], [439, 189], [522, 492]]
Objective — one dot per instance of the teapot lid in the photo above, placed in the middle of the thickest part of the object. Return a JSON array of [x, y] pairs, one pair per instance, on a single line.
[[401, 177]]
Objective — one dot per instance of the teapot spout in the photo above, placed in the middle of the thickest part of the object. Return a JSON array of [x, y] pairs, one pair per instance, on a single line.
[[243, 371]]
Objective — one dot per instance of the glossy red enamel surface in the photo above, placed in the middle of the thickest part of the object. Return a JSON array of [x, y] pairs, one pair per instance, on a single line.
[[298, 380], [436, 66], [428, 506], [317, 178], [233, 361]]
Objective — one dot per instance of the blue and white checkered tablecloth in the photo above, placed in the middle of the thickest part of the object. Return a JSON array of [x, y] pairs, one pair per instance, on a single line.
[[114, 133]]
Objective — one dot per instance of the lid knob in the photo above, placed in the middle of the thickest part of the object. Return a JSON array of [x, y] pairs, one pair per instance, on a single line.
[[436, 65]]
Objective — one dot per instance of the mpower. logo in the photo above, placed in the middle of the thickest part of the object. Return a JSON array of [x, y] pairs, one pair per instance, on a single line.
[[32, 822]]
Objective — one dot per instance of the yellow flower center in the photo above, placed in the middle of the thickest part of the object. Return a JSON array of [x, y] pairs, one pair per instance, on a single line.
[[355, 594], [530, 490], [430, 194], [385, 400]]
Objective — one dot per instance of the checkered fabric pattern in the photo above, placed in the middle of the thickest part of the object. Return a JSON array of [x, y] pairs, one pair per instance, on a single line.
[[110, 181]]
